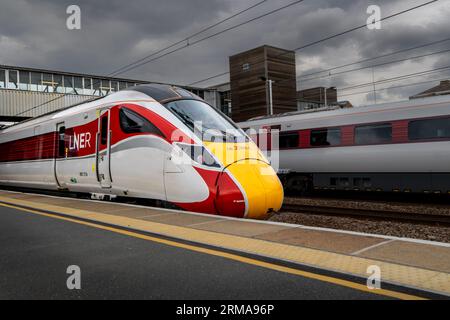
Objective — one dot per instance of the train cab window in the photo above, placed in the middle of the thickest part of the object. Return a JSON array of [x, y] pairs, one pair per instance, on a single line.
[[62, 142], [289, 140], [208, 123], [131, 122], [325, 137], [429, 129], [373, 134]]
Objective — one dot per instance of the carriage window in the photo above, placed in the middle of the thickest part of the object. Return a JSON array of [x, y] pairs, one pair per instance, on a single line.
[[289, 140], [131, 122], [104, 130], [325, 137], [372, 134], [62, 142], [429, 129]]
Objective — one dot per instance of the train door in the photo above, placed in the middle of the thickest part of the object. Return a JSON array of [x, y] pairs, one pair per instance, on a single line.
[[103, 154], [60, 155]]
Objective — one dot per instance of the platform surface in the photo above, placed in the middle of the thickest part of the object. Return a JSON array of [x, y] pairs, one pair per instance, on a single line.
[[420, 265]]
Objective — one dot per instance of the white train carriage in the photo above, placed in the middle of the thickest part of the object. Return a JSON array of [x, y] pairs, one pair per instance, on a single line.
[[144, 142], [400, 147]]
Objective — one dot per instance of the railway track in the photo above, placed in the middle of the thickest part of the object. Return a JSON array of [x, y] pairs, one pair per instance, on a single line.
[[410, 217]]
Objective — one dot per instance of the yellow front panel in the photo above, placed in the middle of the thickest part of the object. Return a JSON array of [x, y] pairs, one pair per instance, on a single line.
[[262, 187], [251, 169]]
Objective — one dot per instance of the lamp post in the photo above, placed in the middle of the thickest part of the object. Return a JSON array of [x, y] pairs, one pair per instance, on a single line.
[[270, 93]]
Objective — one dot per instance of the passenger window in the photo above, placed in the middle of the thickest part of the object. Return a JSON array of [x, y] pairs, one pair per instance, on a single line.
[[131, 122], [104, 130], [373, 134], [429, 129], [289, 140], [62, 142], [325, 137]]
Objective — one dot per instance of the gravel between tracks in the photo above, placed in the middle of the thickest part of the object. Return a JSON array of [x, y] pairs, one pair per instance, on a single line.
[[397, 229], [441, 209], [367, 225]]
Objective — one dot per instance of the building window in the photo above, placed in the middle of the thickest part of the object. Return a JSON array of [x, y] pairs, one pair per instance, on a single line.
[[47, 81], [58, 83], [2, 79], [429, 129], [373, 134], [13, 82], [24, 80], [105, 87], [325, 137], [131, 122], [78, 85], [68, 85], [36, 82], [114, 86], [88, 87], [289, 140], [122, 85], [96, 84]]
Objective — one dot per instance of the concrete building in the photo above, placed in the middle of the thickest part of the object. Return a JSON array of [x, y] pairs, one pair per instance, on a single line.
[[251, 74], [442, 88], [27, 92]]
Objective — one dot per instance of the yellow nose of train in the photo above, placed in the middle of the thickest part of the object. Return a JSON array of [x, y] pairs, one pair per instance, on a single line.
[[263, 192]]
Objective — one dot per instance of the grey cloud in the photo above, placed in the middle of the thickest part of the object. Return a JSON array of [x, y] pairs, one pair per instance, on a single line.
[[116, 32]]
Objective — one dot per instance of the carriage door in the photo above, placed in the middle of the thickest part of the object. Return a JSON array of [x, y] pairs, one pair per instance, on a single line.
[[60, 155], [104, 150]]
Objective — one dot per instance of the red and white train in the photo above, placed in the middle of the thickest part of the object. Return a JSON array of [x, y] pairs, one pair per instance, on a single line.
[[144, 142], [395, 147]]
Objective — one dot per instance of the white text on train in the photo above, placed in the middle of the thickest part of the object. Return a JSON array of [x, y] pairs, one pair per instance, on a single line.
[[80, 141]]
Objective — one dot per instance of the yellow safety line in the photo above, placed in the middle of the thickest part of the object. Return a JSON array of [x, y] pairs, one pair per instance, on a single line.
[[251, 261]]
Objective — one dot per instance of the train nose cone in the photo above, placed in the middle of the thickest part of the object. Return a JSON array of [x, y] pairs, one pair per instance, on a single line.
[[262, 188]]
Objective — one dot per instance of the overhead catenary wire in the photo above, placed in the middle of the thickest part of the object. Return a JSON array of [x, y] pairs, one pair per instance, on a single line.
[[186, 39], [395, 87], [376, 57], [327, 38], [134, 66], [377, 65], [190, 44]]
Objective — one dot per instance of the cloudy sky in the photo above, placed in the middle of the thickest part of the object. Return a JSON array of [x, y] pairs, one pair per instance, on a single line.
[[115, 33]]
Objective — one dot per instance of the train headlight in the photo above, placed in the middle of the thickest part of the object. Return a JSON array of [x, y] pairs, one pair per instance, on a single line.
[[199, 154]]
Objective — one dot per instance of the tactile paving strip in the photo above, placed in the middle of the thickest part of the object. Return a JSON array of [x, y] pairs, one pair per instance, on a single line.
[[428, 280]]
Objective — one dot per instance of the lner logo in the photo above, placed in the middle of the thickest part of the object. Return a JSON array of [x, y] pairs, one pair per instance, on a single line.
[[80, 141]]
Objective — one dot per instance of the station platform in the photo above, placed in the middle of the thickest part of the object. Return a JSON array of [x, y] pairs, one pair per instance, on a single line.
[[423, 266]]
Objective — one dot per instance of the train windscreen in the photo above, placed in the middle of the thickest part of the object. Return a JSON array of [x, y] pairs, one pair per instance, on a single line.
[[205, 121]]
